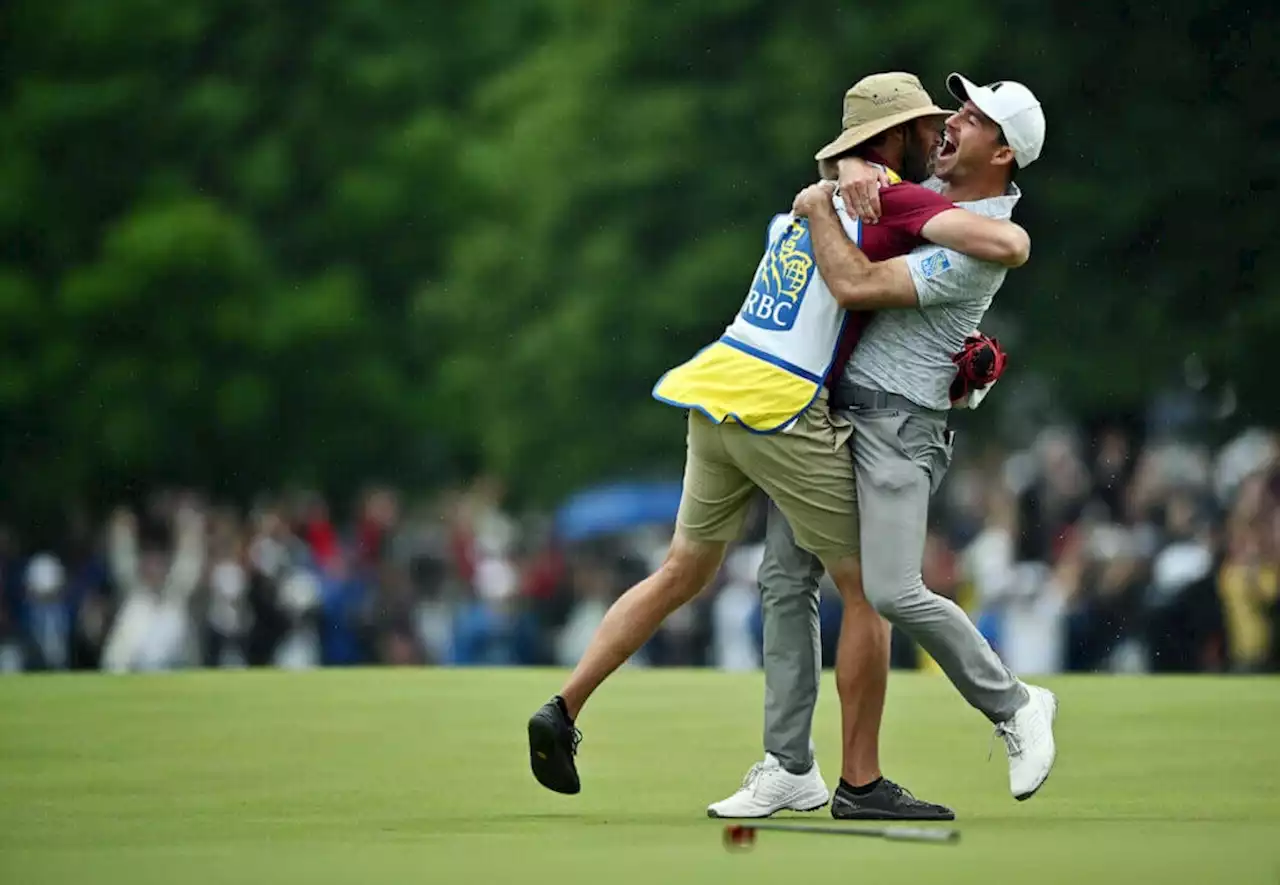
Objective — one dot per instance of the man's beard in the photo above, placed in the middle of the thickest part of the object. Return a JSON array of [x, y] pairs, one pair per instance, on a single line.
[[917, 161]]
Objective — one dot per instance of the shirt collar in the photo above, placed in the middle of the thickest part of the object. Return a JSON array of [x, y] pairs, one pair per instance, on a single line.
[[995, 207], [872, 157]]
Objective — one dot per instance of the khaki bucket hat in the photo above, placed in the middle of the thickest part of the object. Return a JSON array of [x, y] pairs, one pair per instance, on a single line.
[[876, 104]]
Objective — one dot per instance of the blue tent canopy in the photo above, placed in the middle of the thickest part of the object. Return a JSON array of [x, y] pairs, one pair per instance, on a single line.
[[618, 507]]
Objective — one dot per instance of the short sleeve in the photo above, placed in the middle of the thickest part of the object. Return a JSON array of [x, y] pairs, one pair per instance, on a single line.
[[908, 207], [943, 276]]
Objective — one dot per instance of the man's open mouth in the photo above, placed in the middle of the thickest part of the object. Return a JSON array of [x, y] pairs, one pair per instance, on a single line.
[[948, 147]]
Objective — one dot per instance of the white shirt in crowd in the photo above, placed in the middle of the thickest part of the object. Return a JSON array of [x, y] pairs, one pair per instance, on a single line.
[[153, 629], [734, 641], [1029, 605]]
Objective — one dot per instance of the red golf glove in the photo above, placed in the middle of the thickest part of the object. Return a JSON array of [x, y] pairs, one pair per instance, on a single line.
[[978, 365]]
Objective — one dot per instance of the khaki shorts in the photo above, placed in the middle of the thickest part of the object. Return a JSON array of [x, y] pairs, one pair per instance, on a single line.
[[807, 472]]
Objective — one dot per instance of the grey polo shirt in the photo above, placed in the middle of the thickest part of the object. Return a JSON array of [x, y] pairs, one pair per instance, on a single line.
[[908, 352]]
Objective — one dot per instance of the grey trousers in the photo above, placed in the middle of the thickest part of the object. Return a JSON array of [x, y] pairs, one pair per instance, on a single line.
[[900, 458], [789, 598]]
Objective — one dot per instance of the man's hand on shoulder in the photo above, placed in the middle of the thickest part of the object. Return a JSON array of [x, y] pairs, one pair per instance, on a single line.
[[860, 184], [813, 198]]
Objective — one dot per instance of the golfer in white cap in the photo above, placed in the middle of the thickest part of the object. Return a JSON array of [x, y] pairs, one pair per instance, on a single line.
[[896, 389]]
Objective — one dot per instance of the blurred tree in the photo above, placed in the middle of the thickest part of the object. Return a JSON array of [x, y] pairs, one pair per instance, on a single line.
[[211, 217], [244, 245], [1150, 242]]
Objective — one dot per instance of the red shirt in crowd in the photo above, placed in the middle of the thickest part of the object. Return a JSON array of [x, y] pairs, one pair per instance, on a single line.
[[905, 208]]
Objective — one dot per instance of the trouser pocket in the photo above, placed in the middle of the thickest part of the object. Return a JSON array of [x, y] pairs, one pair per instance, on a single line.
[[929, 444]]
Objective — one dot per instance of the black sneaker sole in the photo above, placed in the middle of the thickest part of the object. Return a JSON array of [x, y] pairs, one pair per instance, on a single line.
[[547, 758], [881, 814]]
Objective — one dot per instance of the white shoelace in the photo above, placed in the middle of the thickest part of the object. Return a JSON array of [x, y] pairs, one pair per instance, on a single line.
[[752, 779], [1012, 743]]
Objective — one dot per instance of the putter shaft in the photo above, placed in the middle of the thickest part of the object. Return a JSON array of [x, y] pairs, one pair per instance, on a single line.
[[900, 834]]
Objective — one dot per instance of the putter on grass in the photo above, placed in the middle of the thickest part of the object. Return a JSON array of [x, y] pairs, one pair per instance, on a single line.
[[744, 835]]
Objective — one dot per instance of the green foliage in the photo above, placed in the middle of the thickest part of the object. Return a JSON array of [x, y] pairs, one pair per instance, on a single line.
[[247, 244]]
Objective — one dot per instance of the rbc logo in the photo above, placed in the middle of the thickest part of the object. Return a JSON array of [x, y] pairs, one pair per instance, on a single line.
[[780, 284]]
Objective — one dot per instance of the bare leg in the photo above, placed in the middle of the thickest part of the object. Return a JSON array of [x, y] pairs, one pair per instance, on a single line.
[[862, 674], [635, 617]]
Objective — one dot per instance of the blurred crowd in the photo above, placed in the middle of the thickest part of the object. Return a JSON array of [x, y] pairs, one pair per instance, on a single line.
[[1102, 555], [1089, 552]]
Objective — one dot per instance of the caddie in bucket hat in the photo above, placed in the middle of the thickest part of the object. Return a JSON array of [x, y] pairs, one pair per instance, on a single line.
[[876, 104]]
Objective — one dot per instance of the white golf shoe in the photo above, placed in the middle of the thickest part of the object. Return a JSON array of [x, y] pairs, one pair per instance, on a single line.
[[768, 788], [1028, 738]]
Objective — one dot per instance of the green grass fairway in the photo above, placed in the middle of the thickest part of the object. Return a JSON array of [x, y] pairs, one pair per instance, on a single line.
[[421, 776]]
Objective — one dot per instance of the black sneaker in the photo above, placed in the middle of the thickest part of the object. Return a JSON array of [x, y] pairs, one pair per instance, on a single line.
[[553, 742], [887, 801]]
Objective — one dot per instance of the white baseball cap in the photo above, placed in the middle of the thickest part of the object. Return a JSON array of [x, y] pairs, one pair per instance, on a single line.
[[1011, 106]]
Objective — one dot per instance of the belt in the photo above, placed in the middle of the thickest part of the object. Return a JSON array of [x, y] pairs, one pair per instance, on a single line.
[[852, 396]]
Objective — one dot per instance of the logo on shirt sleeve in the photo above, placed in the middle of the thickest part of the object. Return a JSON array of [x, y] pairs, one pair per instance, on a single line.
[[935, 264]]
